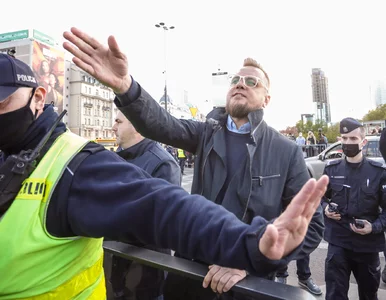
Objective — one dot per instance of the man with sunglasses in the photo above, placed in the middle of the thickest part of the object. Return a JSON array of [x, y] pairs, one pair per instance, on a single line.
[[241, 163], [61, 194]]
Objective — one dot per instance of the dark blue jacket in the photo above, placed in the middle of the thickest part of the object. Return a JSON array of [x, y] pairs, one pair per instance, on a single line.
[[108, 197], [359, 192], [273, 173], [155, 160]]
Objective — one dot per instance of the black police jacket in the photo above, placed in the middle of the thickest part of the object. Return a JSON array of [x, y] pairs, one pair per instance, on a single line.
[[360, 192]]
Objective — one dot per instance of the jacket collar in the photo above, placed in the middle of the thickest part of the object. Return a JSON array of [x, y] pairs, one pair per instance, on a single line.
[[219, 116], [136, 150]]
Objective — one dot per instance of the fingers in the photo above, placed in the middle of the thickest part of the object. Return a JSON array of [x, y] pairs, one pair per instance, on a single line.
[[208, 278], [315, 197], [298, 203], [268, 243], [222, 279], [90, 41], [113, 45], [83, 66], [84, 57], [357, 230]]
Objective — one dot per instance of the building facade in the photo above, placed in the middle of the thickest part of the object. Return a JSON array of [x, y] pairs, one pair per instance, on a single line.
[[91, 113], [320, 95]]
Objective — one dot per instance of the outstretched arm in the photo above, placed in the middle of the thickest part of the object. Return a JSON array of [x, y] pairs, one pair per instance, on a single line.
[[110, 66]]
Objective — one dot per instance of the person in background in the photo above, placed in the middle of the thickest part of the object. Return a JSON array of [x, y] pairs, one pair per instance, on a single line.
[[300, 140], [354, 224], [181, 154], [155, 160]]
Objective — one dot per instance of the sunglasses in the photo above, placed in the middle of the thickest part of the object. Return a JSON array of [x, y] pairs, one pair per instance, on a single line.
[[248, 80]]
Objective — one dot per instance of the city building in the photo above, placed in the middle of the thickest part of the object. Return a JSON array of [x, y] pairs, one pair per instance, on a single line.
[[91, 113], [378, 92], [320, 96], [89, 104], [43, 55]]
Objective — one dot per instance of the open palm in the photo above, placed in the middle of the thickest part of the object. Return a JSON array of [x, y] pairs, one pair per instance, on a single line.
[[106, 63], [289, 229]]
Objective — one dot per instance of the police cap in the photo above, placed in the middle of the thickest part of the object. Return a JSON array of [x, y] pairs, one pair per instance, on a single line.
[[349, 124]]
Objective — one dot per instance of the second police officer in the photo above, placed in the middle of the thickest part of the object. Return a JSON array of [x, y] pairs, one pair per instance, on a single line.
[[353, 222]]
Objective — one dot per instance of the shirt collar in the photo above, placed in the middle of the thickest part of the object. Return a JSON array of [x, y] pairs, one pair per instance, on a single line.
[[246, 128]]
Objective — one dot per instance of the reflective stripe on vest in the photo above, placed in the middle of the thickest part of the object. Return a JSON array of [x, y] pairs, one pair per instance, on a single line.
[[82, 281], [36, 265]]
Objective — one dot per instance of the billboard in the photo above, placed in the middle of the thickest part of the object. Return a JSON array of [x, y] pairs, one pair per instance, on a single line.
[[48, 66]]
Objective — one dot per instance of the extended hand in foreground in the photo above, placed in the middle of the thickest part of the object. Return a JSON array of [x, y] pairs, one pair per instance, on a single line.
[[289, 229]]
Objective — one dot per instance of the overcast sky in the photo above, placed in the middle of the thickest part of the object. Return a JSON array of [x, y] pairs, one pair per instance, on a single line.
[[289, 38]]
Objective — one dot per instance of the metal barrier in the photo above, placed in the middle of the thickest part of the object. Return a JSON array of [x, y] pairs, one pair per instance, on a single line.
[[313, 150], [255, 287]]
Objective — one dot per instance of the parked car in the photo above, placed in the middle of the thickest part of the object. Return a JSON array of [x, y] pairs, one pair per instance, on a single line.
[[316, 164]]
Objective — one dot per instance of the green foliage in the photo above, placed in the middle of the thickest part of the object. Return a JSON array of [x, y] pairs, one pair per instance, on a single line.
[[331, 132], [376, 114]]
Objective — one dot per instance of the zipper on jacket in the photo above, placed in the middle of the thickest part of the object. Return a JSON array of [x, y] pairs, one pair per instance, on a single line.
[[261, 178], [250, 189]]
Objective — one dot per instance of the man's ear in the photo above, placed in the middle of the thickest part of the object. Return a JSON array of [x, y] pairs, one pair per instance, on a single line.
[[40, 97], [266, 101]]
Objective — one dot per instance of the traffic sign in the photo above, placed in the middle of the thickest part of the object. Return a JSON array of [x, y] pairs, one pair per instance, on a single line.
[[193, 111]]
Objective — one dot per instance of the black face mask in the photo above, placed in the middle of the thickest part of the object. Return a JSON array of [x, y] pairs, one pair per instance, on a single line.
[[351, 150], [14, 125]]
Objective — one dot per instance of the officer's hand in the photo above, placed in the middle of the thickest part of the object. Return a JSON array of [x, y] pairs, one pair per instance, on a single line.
[[289, 229], [363, 231], [107, 64], [332, 215], [222, 279]]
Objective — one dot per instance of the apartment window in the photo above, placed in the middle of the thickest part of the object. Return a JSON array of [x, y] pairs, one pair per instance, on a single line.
[[103, 122], [89, 90], [96, 92]]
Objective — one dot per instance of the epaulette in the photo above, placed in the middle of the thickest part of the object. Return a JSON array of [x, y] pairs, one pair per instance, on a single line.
[[376, 164], [334, 162]]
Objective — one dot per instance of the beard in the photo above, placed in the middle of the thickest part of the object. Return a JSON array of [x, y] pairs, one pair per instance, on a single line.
[[237, 110]]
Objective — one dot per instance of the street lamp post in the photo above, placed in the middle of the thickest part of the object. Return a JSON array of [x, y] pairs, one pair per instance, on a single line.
[[165, 28]]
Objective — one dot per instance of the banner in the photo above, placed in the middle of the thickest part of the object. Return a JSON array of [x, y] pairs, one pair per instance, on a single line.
[[48, 66], [11, 36]]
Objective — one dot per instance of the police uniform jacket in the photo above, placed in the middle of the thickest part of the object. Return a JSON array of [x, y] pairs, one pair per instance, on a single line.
[[360, 192]]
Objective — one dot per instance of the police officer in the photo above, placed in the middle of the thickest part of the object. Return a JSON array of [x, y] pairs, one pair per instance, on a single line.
[[354, 224], [181, 159]]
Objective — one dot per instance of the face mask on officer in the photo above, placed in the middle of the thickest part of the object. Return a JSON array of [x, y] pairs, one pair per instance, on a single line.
[[15, 74], [351, 150], [15, 124]]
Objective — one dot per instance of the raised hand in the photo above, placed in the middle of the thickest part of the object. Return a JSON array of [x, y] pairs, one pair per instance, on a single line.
[[106, 63], [289, 229]]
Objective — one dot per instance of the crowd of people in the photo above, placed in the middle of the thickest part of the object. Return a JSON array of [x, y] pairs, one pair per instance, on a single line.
[[251, 190]]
